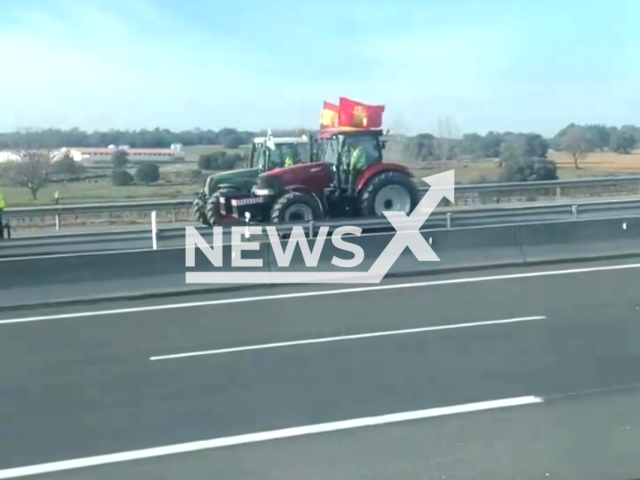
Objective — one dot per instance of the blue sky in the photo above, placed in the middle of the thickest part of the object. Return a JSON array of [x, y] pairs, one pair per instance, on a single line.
[[522, 65]]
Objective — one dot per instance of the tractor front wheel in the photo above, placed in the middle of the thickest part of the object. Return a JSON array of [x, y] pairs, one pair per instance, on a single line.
[[199, 210], [214, 216], [389, 192], [296, 207]]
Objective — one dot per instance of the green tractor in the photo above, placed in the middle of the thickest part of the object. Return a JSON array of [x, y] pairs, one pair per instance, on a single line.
[[267, 153]]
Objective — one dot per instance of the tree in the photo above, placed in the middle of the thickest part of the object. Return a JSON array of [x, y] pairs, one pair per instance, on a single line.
[[120, 158], [31, 170], [471, 145], [534, 145], [600, 135], [444, 141], [121, 178], [622, 141], [577, 142], [148, 173], [491, 145], [233, 141], [508, 153]]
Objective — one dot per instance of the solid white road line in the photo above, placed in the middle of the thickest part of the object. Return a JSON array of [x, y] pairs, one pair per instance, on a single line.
[[347, 337], [284, 296], [263, 436]]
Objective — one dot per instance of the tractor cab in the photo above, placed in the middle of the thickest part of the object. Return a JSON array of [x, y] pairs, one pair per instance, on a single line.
[[336, 148], [273, 153]]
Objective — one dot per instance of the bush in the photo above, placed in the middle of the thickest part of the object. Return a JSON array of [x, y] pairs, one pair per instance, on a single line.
[[121, 178], [219, 161], [119, 159], [67, 166], [148, 173], [529, 170]]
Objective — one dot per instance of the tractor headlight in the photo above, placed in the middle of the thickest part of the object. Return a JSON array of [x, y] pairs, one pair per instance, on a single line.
[[266, 186], [262, 192]]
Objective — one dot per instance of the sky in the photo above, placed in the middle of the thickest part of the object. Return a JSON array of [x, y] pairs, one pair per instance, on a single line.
[[517, 65]]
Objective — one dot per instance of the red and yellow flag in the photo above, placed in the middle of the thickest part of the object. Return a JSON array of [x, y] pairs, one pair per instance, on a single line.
[[330, 115], [359, 115]]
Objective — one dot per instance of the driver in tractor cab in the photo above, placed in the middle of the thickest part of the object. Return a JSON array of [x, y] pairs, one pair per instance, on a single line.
[[359, 158], [291, 157]]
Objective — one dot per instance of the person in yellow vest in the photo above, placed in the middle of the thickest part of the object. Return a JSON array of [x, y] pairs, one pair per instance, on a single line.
[[2, 205], [358, 158], [291, 157]]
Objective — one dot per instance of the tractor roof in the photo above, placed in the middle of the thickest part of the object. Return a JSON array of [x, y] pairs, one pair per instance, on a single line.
[[282, 140], [330, 132]]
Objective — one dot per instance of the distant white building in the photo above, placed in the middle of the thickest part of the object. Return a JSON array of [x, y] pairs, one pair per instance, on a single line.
[[104, 155], [9, 157]]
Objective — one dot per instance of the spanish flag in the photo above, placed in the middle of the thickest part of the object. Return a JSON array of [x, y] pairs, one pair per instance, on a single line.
[[359, 115], [330, 113]]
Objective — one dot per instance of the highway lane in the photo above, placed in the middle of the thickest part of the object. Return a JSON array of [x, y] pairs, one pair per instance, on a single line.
[[90, 377], [582, 437]]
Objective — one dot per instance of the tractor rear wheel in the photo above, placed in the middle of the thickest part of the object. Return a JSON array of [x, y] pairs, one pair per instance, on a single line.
[[389, 191], [199, 210], [296, 207]]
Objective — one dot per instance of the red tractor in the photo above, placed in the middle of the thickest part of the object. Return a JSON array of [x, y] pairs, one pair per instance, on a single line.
[[330, 188]]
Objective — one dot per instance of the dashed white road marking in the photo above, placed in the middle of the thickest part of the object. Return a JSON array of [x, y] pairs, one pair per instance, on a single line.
[[346, 337]]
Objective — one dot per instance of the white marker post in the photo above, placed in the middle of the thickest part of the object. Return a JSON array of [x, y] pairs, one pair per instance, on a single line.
[[154, 230]]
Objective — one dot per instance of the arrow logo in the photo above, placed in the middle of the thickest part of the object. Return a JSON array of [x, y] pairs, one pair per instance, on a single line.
[[408, 228]]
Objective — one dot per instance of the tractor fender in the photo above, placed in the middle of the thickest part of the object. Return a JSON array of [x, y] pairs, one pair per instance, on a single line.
[[306, 190], [378, 168]]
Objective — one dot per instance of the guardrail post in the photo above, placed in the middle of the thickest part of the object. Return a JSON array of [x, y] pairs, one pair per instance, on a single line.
[[154, 231], [574, 210], [57, 221], [173, 215], [448, 219], [558, 192], [311, 229]]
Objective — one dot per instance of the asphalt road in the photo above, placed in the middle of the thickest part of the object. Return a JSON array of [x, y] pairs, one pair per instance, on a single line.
[[93, 381]]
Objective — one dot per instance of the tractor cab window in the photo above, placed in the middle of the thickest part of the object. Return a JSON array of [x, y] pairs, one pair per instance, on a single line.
[[267, 158], [329, 152], [255, 158], [368, 143], [299, 153]]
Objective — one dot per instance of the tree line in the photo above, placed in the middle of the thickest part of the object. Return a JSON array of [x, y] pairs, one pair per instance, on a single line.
[[522, 156], [156, 138], [579, 140]]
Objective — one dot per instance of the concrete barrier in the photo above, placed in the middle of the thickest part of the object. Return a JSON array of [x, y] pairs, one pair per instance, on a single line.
[[91, 277], [577, 240], [71, 279], [471, 248]]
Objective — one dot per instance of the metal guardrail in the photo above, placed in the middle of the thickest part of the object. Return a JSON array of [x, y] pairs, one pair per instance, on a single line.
[[173, 237], [58, 211], [479, 216]]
